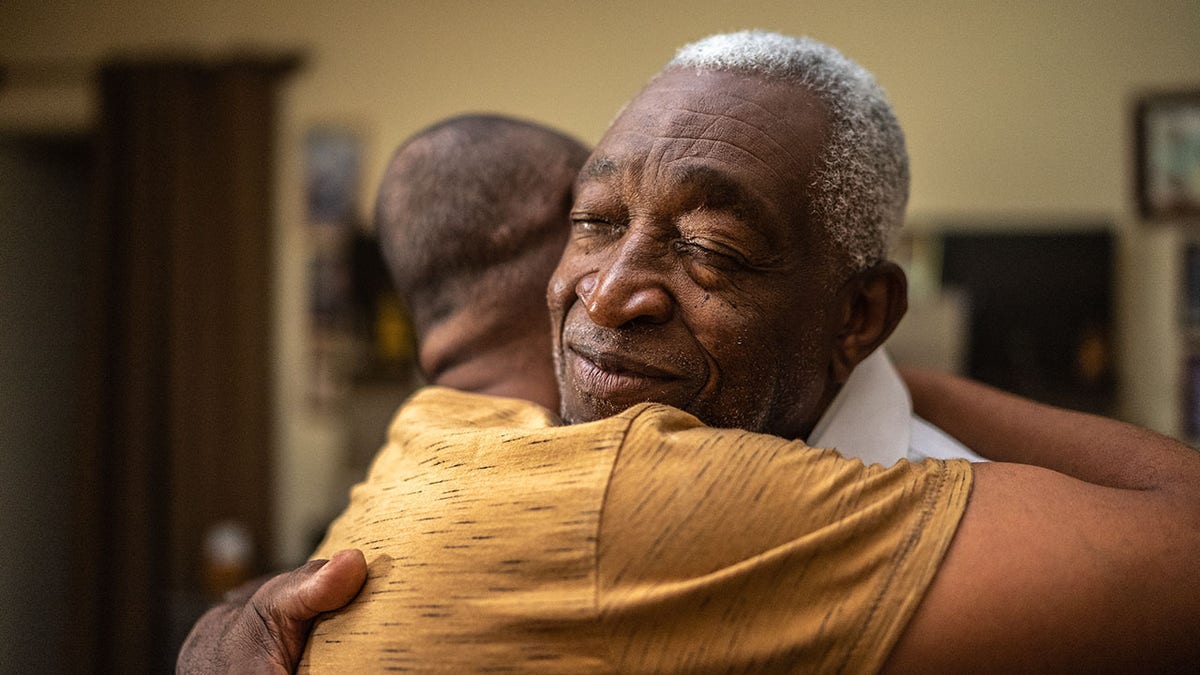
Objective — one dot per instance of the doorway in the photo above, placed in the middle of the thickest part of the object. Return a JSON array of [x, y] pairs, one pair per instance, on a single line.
[[44, 211]]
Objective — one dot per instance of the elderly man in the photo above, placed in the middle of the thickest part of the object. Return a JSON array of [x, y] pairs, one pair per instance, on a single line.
[[737, 228], [729, 239], [694, 228]]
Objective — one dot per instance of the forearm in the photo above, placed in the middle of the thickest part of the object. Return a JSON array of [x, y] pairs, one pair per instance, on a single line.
[[1007, 428], [1088, 566]]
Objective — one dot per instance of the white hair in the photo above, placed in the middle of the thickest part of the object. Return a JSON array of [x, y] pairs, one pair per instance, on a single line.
[[860, 186]]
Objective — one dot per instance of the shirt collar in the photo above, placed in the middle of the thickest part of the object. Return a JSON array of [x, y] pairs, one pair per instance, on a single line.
[[871, 417]]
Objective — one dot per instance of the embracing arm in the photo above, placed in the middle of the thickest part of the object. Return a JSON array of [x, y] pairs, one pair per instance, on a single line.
[[1078, 550]]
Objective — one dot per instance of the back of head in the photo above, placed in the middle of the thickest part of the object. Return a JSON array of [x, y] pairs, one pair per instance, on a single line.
[[860, 188], [472, 211]]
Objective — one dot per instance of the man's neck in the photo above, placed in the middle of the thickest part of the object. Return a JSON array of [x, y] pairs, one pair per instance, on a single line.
[[478, 376], [500, 357]]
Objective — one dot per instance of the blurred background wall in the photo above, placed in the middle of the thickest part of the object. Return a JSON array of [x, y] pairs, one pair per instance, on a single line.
[[1018, 117]]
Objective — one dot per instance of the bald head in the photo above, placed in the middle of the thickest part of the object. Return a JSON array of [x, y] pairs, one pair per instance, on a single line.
[[472, 218]]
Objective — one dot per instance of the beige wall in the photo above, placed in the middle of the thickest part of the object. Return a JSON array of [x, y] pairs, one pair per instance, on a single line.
[[1013, 110]]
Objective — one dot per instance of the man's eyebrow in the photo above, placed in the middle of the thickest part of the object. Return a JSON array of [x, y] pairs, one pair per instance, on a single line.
[[599, 167], [720, 191]]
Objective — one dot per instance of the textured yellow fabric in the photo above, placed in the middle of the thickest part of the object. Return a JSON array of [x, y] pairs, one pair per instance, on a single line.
[[646, 542]]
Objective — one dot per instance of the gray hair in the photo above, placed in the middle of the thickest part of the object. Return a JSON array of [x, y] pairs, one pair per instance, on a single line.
[[860, 186]]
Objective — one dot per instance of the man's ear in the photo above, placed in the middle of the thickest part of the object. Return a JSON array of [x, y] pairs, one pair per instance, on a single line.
[[870, 305]]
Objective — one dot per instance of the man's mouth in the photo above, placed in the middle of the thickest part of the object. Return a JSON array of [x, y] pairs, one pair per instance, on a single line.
[[621, 364], [619, 378]]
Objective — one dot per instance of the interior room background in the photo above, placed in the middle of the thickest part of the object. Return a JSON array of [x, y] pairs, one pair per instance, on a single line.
[[1020, 125]]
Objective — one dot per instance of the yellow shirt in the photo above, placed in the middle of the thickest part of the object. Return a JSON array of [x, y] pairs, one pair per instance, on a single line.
[[646, 542]]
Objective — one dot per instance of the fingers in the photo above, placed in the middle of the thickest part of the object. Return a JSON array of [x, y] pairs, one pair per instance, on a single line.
[[267, 633], [279, 616], [334, 584]]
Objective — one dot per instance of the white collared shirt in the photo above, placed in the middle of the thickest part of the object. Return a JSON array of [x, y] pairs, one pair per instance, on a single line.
[[872, 419]]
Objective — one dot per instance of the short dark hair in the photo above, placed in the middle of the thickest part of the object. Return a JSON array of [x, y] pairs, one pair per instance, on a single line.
[[463, 199]]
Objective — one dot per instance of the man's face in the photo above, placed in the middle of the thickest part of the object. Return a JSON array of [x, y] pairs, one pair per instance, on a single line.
[[692, 276]]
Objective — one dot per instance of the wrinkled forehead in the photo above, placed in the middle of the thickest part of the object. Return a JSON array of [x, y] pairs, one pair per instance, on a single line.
[[721, 140], [771, 131]]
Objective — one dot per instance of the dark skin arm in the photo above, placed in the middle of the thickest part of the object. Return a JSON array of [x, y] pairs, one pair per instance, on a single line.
[[262, 627], [1077, 551]]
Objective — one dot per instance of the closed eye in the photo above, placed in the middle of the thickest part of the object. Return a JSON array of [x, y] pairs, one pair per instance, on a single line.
[[712, 254], [588, 225]]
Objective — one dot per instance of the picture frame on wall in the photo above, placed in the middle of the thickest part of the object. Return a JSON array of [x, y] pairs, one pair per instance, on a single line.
[[1190, 317], [1191, 398], [332, 163], [1167, 167]]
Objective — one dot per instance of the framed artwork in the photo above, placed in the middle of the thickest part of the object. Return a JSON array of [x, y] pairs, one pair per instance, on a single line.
[[1168, 155], [1191, 286], [1191, 398], [332, 161], [332, 156], [1040, 309]]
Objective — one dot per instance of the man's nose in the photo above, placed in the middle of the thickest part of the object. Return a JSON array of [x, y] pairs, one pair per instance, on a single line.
[[630, 289]]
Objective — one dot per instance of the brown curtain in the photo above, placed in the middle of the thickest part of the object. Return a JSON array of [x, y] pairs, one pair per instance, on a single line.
[[177, 433]]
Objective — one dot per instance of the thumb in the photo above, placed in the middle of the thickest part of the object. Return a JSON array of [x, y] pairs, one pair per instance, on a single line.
[[334, 584], [286, 605]]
